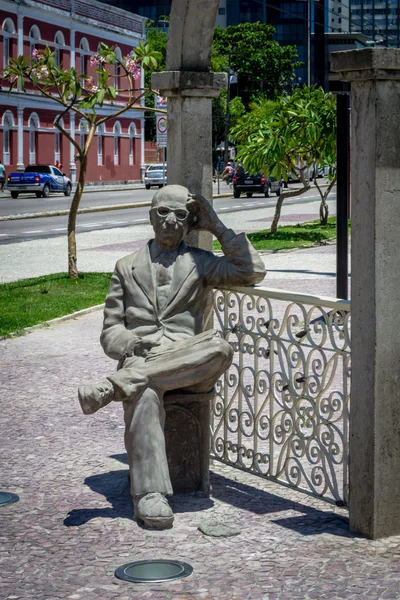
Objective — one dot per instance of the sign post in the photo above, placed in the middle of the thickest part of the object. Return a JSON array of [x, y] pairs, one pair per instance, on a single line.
[[161, 127]]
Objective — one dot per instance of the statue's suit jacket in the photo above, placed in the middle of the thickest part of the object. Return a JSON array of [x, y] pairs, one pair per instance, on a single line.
[[131, 308]]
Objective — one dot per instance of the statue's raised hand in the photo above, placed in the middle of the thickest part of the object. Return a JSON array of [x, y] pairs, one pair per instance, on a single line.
[[205, 217]]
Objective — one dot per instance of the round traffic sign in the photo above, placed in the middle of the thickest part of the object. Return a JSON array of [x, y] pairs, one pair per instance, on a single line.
[[162, 124]]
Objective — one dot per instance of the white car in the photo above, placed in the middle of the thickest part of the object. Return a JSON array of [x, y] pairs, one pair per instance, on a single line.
[[155, 176]]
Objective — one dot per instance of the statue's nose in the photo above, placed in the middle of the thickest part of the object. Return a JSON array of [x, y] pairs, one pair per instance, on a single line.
[[171, 218]]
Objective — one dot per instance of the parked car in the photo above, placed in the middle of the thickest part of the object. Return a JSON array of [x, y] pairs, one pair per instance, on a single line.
[[154, 176], [276, 185], [243, 183], [40, 179]]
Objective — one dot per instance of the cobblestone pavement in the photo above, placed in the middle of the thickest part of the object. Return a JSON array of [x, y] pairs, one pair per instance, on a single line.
[[73, 525]]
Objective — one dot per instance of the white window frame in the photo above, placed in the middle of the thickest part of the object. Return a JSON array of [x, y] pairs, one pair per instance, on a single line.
[[8, 31], [8, 124], [117, 137], [58, 44], [117, 69], [83, 131], [100, 144], [34, 37], [132, 135], [33, 126], [57, 142], [83, 50]]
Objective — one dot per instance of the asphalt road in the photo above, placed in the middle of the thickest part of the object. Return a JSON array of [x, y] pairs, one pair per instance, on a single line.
[[28, 229]]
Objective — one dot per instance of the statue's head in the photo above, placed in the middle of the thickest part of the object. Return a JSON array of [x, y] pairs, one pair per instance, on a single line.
[[169, 216]]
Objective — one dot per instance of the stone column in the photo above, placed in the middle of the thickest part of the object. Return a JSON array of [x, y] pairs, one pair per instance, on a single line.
[[20, 38], [189, 149], [72, 149], [20, 134], [374, 74]]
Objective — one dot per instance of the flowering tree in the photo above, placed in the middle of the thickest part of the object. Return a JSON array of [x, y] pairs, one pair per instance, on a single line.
[[80, 94], [293, 134]]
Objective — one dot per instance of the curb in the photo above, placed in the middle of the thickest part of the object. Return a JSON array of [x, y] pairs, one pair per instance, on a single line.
[[73, 315]]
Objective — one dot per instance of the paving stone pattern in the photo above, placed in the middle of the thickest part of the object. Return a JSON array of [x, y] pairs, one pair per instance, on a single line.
[[73, 525]]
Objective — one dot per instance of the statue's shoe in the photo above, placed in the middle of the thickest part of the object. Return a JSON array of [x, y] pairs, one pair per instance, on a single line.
[[153, 510], [93, 397]]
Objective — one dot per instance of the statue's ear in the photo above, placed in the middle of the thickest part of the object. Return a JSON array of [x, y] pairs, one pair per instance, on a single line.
[[151, 216]]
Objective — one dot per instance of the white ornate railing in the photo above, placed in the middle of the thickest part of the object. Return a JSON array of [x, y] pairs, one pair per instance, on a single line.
[[282, 409]]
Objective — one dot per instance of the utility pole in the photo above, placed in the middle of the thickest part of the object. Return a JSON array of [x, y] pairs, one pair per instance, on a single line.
[[227, 119]]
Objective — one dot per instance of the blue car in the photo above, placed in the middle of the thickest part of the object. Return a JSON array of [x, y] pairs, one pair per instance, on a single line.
[[39, 179]]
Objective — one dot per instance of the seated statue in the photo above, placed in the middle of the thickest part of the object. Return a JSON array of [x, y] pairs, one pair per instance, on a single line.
[[155, 324]]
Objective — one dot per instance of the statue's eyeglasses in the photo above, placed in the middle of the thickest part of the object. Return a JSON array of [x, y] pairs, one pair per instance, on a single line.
[[180, 213]]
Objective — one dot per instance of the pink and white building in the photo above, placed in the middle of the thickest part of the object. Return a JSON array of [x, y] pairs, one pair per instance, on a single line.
[[74, 29]]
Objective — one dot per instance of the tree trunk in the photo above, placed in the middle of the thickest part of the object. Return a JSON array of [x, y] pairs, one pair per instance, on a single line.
[[277, 215], [72, 254], [278, 207], [323, 212]]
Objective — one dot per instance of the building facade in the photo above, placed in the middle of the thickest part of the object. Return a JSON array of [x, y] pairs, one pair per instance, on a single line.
[[73, 30], [377, 19]]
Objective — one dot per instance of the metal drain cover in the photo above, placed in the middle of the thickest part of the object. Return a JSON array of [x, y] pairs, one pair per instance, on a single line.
[[8, 498], [147, 571]]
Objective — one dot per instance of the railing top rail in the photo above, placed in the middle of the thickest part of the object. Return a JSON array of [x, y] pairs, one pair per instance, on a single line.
[[265, 292]]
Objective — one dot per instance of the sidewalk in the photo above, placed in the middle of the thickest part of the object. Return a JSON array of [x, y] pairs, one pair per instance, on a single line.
[[73, 525]]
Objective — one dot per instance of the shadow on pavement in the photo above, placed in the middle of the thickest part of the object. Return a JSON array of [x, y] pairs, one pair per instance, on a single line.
[[114, 486], [254, 500]]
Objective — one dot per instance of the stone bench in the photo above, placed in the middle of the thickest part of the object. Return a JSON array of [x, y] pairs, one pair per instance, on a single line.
[[187, 438]]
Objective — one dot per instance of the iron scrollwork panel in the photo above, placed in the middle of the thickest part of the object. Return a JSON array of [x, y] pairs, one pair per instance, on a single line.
[[282, 409]]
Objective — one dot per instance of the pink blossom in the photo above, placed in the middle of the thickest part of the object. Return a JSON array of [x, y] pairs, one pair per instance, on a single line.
[[94, 60], [132, 67], [13, 78], [94, 89], [35, 54], [41, 72]]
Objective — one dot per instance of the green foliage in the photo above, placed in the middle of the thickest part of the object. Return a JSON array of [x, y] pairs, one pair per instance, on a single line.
[[78, 92], [263, 66], [302, 235], [289, 135], [32, 301]]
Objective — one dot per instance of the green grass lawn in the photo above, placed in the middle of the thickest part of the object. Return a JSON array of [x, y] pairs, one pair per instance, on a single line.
[[302, 235], [32, 301]]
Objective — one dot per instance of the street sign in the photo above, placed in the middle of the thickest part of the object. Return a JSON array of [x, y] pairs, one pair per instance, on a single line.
[[161, 121], [162, 128]]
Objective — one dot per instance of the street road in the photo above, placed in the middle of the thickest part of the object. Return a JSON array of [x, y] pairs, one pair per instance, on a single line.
[[28, 229]]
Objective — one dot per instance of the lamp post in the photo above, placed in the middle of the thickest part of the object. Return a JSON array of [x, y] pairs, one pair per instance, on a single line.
[[232, 78]]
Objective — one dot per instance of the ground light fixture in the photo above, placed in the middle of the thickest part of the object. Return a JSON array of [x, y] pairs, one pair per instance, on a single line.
[[8, 498], [153, 571]]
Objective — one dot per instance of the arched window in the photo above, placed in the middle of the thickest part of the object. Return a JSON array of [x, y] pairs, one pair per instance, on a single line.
[[8, 31], [132, 134], [57, 142], [100, 143], [34, 37], [83, 130], [84, 50], [117, 69], [33, 126], [117, 134], [8, 123], [58, 45]]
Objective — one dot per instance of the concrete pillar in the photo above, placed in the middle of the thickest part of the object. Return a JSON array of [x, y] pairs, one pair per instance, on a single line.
[[189, 149], [20, 32], [20, 139], [189, 87], [374, 74]]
